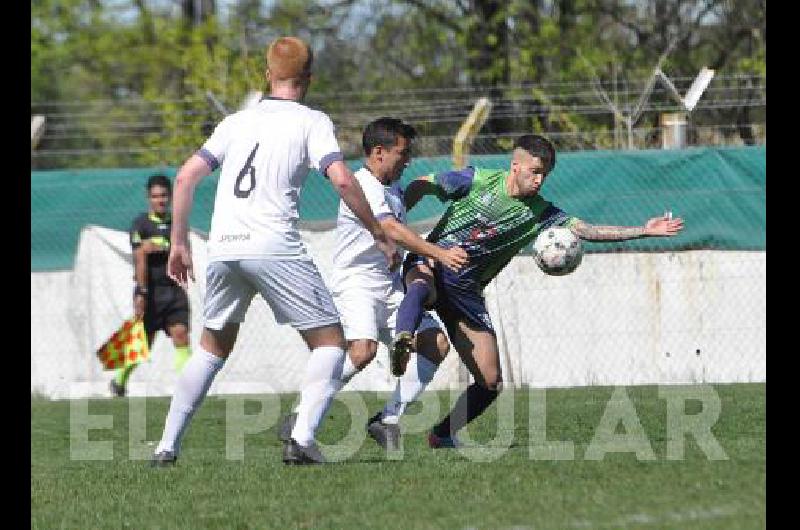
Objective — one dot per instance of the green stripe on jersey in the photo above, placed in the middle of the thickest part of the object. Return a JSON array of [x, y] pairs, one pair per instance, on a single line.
[[491, 226]]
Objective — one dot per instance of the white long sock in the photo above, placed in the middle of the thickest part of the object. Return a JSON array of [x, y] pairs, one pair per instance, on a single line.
[[322, 381], [419, 372], [193, 384], [348, 371]]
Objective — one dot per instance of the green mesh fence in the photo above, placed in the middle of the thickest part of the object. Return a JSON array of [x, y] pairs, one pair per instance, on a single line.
[[720, 192]]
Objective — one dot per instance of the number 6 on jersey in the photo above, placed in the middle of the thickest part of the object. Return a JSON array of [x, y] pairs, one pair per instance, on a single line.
[[248, 168]]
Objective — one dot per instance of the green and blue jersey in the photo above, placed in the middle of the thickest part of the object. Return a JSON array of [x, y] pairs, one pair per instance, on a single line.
[[489, 224]]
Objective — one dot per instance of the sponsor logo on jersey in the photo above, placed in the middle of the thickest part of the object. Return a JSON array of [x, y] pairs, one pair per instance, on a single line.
[[480, 233], [231, 238]]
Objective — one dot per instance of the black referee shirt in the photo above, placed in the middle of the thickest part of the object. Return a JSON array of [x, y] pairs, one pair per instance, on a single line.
[[149, 226]]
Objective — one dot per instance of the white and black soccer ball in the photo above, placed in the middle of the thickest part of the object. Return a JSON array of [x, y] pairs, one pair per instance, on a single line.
[[557, 251]]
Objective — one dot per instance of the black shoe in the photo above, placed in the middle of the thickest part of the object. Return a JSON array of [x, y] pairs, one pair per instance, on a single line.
[[164, 459], [116, 389], [387, 435], [287, 424], [399, 351], [296, 454]]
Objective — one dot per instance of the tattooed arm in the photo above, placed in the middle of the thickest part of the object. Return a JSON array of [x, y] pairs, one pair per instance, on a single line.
[[657, 226]]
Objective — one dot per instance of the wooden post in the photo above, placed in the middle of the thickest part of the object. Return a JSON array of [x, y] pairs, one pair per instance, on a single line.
[[673, 130], [466, 133], [37, 129]]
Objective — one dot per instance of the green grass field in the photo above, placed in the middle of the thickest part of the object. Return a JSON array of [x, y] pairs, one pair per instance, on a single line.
[[424, 489]]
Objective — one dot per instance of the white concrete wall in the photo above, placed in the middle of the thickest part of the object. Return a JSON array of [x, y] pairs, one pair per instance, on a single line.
[[620, 319], [683, 317]]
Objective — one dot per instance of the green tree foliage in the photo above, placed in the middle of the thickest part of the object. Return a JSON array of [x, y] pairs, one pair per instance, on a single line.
[[147, 74], [149, 66]]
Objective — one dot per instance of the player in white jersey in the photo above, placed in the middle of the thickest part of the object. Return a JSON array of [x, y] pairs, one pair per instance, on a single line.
[[255, 246], [366, 293]]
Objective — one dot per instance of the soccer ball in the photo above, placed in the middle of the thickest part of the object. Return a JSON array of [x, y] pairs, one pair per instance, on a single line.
[[557, 251]]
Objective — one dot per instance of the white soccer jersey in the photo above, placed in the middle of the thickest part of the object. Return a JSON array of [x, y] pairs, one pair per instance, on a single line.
[[356, 254], [266, 152], [366, 293]]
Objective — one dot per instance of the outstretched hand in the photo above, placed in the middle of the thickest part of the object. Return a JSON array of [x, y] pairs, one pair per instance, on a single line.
[[179, 265], [663, 226]]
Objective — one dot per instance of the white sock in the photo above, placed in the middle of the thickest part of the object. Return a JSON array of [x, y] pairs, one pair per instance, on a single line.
[[348, 371], [322, 381], [419, 372], [194, 381]]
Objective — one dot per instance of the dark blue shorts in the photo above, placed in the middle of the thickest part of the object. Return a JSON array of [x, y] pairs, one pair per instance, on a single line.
[[457, 295]]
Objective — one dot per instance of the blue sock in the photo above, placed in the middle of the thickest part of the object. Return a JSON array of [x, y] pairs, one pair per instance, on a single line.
[[409, 314]]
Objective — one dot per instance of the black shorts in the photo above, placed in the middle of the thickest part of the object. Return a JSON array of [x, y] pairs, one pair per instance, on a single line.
[[167, 305], [457, 297]]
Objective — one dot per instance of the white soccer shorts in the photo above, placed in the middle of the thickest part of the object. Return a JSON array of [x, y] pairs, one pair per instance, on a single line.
[[293, 289], [371, 314]]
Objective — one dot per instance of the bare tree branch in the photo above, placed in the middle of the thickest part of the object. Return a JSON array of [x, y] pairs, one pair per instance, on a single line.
[[147, 21], [436, 14], [400, 65], [613, 10], [726, 50], [598, 88]]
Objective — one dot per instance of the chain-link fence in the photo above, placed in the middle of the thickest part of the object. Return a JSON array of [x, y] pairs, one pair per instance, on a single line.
[[133, 132], [688, 308]]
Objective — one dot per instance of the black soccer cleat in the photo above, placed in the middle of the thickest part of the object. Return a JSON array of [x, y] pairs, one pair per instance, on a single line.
[[287, 424], [443, 442], [399, 352], [117, 389], [164, 459], [386, 435], [296, 454]]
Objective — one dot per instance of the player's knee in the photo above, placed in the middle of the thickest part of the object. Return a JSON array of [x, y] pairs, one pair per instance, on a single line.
[[219, 342], [442, 345], [361, 353], [180, 335], [432, 344], [427, 285], [362, 359], [330, 335], [493, 382]]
